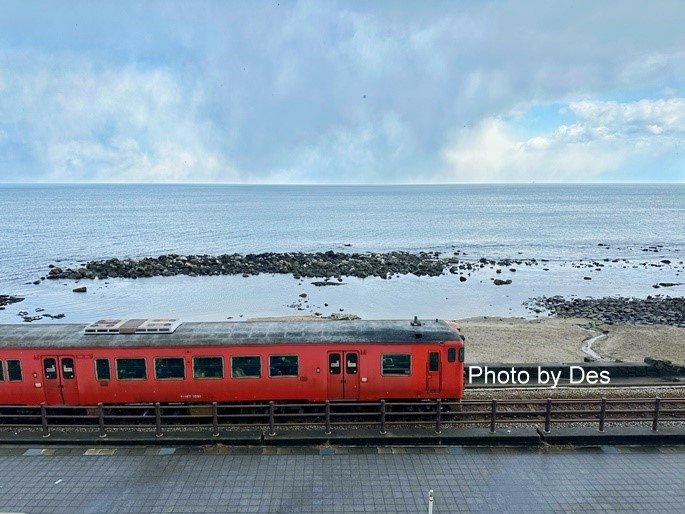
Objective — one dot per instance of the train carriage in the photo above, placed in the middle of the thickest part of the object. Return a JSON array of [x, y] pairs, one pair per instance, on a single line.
[[164, 360]]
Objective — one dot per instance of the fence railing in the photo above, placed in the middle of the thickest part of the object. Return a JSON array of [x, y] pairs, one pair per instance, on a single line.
[[436, 415]]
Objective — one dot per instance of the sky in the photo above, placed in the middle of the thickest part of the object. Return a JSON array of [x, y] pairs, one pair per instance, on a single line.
[[342, 92]]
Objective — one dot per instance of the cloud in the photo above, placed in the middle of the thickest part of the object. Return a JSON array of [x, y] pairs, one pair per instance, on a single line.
[[606, 136], [334, 92], [114, 125]]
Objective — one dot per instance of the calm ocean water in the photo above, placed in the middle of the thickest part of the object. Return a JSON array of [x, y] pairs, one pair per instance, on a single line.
[[43, 224]]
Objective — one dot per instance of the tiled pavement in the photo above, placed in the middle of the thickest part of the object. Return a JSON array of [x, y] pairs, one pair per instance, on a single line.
[[387, 479]]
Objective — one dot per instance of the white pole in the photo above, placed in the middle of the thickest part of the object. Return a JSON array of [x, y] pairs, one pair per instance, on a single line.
[[430, 501]]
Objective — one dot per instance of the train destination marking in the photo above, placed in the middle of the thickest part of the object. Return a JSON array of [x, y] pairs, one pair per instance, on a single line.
[[513, 376]]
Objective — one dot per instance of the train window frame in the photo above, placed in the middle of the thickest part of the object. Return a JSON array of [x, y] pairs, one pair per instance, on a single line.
[[9, 372], [223, 369], [431, 367], [250, 357], [67, 375], [452, 354], [409, 372], [109, 369], [332, 370], [284, 355], [2, 372], [351, 370], [54, 375], [119, 359], [174, 357]]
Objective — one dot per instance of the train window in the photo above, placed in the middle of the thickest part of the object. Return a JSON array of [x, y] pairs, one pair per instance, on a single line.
[[397, 364], [433, 361], [50, 368], [351, 363], [461, 354], [102, 371], [283, 365], [67, 368], [334, 363], [170, 367], [13, 370], [131, 369], [208, 367], [242, 367], [451, 354], [2, 374]]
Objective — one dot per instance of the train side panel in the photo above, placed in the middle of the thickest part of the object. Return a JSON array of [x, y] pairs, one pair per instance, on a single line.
[[390, 371]]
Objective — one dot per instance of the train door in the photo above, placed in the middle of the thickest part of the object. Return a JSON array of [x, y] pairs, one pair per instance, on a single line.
[[433, 373], [343, 375], [59, 382]]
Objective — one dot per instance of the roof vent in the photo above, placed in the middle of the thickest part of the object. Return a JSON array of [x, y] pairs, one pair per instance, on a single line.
[[416, 322], [133, 326]]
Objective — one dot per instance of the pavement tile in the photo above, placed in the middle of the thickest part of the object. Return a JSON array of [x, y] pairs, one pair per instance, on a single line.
[[384, 479]]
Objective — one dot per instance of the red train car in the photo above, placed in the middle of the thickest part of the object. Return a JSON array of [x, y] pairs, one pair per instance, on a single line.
[[145, 361]]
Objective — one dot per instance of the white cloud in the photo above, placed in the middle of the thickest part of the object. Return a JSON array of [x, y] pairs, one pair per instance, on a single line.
[[118, 125], [606, 136], [333, 92]]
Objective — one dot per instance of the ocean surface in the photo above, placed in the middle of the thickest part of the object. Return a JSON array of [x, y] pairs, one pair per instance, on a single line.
[[68, 224]]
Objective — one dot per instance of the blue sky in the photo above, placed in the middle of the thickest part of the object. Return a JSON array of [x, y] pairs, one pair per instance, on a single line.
[[342, 92]]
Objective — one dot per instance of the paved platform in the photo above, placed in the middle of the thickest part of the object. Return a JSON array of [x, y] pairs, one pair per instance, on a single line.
[[340, 479]]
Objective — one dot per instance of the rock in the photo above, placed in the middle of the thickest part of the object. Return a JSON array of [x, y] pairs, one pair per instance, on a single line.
[[36, 282], [500, 282], [303, 295], [9, 299], [587, 278], [82, 289], [610, 310], [462, 279]]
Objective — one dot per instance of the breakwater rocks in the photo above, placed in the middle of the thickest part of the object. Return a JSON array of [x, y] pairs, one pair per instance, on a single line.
[[653, 310], [321, 264], [6, 299]]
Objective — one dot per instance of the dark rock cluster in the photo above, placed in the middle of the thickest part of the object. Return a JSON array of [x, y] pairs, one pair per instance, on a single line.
[[6, 299], [652, 310], [321, 264]]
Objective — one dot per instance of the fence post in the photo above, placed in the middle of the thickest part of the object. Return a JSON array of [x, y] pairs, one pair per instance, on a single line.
[[44, 420], [548, 416], [602, 414], [430, 501], [158, 420], [383, 431], [272, 421], [215, 419], [655, 420], [493, 417], [328, 417], [101, 421], [438, 417]]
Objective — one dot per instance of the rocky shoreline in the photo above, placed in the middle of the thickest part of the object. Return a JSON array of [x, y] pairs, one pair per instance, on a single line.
[[309, 265], [653, 310]]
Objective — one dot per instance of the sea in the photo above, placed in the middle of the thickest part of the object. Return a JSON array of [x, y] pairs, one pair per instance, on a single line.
[[640, 225]]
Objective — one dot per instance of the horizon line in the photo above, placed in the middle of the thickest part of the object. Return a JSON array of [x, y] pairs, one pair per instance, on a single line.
[[337, 184]]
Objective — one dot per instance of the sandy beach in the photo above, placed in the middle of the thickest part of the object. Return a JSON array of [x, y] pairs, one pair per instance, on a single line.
[[515, 340]]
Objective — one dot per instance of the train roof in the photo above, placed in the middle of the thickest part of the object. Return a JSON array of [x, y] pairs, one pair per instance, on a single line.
[[233, 333]]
